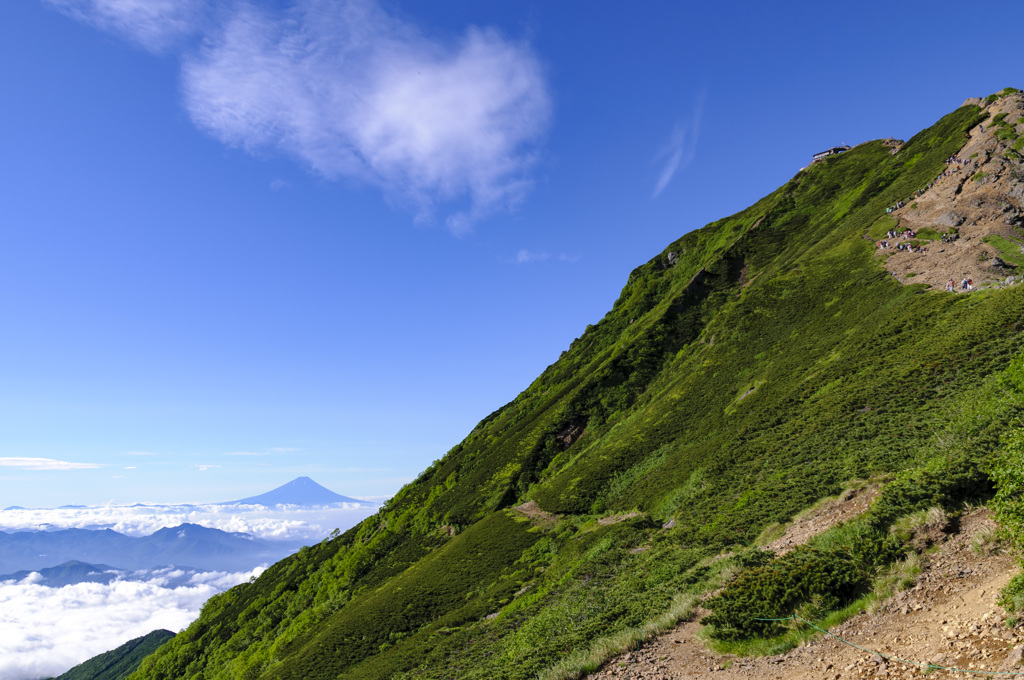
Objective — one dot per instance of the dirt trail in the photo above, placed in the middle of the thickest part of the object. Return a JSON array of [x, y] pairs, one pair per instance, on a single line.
[[851, 503], [982, 198], [949, 617]]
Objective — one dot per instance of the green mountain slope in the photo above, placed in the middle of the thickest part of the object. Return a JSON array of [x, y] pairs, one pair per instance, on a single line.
[[754, 366], [118, 664]]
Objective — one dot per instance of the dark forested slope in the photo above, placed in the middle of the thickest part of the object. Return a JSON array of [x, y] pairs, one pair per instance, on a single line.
[[118, 664], [753, 366]]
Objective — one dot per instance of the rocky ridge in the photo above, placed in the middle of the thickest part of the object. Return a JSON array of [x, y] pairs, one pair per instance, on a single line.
[[980, 198]]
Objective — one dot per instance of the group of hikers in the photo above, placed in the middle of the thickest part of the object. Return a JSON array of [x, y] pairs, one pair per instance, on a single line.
[[894, 234], [902, 234], [966, 284], [952, 160], [904, 246]]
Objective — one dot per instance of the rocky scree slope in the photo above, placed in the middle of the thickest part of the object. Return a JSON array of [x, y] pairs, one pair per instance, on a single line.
[[754, 366], [980, 199]]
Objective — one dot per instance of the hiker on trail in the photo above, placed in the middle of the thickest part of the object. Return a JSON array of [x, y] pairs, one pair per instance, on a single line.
[[950, 287], [963, 285], [970, 284]]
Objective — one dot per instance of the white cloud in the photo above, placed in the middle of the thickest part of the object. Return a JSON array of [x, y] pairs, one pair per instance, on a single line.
[[279, 523], [152, 24], [682, 144], [246, 453], [45, 631], [23, 463], [204, 467], [354, 92]]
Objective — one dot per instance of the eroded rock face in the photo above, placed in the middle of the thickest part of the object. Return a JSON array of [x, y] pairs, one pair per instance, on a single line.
[[981, 196], [949, 219]]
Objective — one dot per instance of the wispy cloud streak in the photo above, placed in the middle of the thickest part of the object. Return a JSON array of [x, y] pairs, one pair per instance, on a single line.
[[527, 256], [678, 153], [152, 24], [22, 463]]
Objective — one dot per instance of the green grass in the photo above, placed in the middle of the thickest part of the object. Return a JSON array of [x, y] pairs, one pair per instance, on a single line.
[[580, 663], [1008, 250], [797, 633], [881, 227]]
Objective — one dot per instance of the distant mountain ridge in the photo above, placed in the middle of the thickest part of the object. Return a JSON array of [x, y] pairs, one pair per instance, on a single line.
[[200, 547], [74, 571], [301, 491]]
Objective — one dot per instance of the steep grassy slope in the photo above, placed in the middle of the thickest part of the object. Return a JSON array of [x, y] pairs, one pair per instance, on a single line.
[[764, 363]]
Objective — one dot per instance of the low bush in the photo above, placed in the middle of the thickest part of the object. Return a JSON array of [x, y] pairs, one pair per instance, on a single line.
[[811, 581], [947, 483]]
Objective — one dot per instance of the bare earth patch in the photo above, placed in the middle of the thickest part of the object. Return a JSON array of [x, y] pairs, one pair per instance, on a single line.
[[615, 519], [851, 503], [532, 510]]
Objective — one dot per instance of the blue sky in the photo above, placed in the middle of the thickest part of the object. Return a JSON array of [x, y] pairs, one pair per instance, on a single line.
[[244, 242]]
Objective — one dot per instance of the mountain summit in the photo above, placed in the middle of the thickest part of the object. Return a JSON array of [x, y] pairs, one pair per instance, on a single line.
[[299, 491]]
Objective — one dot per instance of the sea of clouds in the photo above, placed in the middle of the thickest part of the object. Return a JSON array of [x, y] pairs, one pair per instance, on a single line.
[[45, 631], [280, 522]]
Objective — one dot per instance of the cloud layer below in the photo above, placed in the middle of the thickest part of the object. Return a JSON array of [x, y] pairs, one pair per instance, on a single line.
[[291, 523], [45, 631], [353, 92]]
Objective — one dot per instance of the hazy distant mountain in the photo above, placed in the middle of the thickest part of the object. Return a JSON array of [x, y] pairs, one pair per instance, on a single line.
[[74, 571], [119, 663], [68, 573], [200, 547], [299, 491]]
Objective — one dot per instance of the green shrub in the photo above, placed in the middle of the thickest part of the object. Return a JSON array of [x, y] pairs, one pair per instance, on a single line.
[[1012, 597], [946, 483], [811, 581]]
